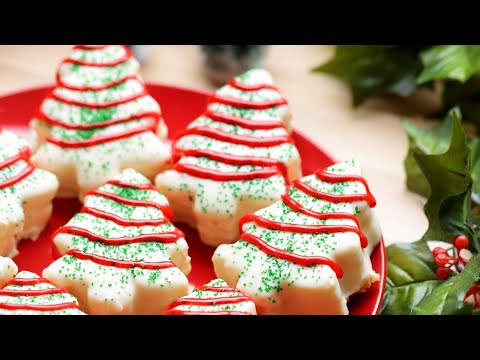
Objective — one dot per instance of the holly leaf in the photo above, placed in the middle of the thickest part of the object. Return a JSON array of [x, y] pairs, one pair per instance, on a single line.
[[410, 277], [375, 69], [425, 141], [475, 145], [456, 62], [448, 175], [448, 297]]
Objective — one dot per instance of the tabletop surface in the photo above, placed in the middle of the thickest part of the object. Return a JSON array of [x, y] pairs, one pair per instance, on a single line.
[[321, 106]]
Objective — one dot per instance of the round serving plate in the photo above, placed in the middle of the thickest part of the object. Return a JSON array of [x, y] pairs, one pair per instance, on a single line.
[[179, 107]]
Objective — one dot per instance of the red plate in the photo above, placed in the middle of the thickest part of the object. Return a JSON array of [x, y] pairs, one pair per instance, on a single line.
[[179, 107]]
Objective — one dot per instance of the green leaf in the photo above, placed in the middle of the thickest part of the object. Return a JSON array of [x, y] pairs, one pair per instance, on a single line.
[[375, 69], [425, 141], [475, 145], [410, 277], [448, 297], [448, 175], [457, 62]]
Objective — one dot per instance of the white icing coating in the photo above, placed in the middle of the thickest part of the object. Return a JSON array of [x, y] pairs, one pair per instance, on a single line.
[[8, 269], [280, 286], [38, 300], [106, 289], [25, 206]]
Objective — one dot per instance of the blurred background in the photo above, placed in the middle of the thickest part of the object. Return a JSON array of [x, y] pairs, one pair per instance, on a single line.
[[321, 105]]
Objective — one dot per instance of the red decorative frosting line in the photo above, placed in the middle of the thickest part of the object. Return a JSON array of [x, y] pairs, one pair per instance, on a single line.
[[23, 154], [124, 58], [121, 221], [27, 281], [39, 307], [217, 288], [336, 178], [41, 115], [228, 100], [99, 139], [292, 257], [122, 264], [165, 209], [246, 123], [187, 312], [333, 197], [90, 47], [235, 138], [18, 177], [296, 206], [104, 105], [302, 229], [108, 85], [20, 292], [245, 87], [130, 185], [168, 237], [218, 175], [209, 301]]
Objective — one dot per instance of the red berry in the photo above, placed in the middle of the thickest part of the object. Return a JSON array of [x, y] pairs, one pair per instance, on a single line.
[[442, 259], [442, 273], [460, 242], [438, 251]]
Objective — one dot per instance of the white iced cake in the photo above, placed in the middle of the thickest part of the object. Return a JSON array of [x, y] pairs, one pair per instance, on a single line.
[[8, 269], [309, 252], [26, 194], [234, 159], [214, 298], [99, 120], [121, 254], [29, 294]]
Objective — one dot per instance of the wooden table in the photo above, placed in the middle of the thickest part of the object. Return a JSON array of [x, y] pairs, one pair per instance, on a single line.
[[321, 106]]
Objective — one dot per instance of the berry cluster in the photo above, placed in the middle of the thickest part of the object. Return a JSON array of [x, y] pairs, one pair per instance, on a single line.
[[446, 261]]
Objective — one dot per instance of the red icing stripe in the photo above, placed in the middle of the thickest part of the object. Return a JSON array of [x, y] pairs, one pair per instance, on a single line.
[[296, 206], [20, 292], [336, 178], [217, 175], [209, 301], [234, 138], [231, 159], [303, 229], [48, 119], [332, 197], [166, 210], [289, 256], [217, 288], [121, 221], [23, 154], [18, 177], [108, 85], [130, 185], [124, 58], [38, 307], [245, 87], [105, 105], [89, 47], [122, 264], [228, 100], [246, 123], [27, 281], [99, 139], [186, 312], [168, 237]]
